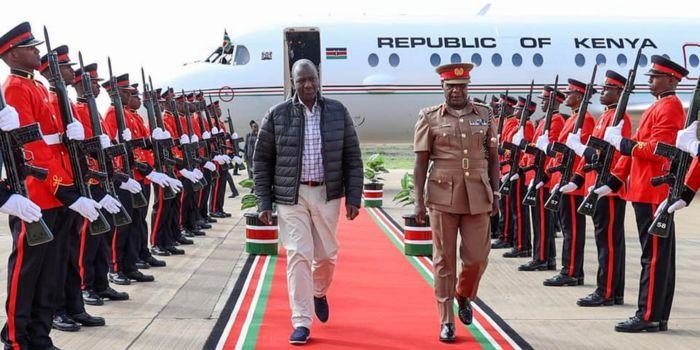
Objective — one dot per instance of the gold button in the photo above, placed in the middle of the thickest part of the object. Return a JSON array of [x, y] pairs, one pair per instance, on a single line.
[[466, 173], [439, 181], [444, 134], [466, 151], [481, 131], [493, 139], [461, 120], [464, 135]]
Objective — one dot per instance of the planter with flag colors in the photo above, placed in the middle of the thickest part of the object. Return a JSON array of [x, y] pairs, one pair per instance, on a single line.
[[373, 194], [260, 239], [418, 239]]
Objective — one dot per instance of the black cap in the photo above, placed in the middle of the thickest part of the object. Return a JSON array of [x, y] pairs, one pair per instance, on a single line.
[[19, 36], [61, 55], [521, 104], [614, 80], [512, 101], [548, 91], [122, 82], [578, 86], [661, 65]]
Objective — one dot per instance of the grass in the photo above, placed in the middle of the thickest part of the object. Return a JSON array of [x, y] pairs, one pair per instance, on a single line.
[[396, 156]]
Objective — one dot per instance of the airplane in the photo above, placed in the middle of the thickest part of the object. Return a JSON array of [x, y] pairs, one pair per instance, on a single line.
[[384, 70]]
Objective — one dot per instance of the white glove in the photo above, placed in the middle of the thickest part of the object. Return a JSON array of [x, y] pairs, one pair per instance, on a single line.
[[198, 174], [110, 204], [206, 135], [238, 160], [568, 188], [234, 136], [210, 166], [194, 139], [75, 131], [613, 135], [504, 178], [104, 141], [131, 185], [184, 139], [189, 175], [86, 207], [21, 207], [603, 191], [175, 184], [678, 205], [543, 141], [519, 136], [573, 141], [219, 159], [515, 177], [215, 131], [538, 186], [126, 134], [157, 178], [9, 120], [159, 134], [686, 139], [167, 134]]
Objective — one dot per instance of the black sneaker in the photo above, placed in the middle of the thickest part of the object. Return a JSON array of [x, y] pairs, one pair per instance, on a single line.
[[87, 320], [138, 276], [321, 308], [299, 336], [119, 278], [64, 323], [174, 251], [113, 295], [160, 251], [155, 262], [91, 297]]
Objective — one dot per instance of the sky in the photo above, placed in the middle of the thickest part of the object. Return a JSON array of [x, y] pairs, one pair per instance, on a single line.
[[161, 35]]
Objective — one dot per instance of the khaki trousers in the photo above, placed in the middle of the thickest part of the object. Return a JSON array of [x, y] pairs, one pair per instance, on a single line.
[[308, 235], [473, 250]]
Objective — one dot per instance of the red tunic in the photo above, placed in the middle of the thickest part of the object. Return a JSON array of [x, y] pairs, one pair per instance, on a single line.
[[554, 130], [586, 130], [138, 130], [513, 126]]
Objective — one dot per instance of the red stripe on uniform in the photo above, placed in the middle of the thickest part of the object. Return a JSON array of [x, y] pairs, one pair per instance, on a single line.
[[199, 201], [214, 197], [611, 249], [652, 271], [81, 257], [13, 289], [182, 199], [573, 237], [157, 221], [114, 250]]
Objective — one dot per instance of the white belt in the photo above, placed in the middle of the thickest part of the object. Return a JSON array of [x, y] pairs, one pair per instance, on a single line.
[[52, 139]]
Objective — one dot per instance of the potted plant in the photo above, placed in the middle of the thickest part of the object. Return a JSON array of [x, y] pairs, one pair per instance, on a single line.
[[373, 192], [260, 238], [418, 238]]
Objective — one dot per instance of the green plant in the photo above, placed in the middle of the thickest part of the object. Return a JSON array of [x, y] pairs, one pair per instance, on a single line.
[[407, 195], [374, 166], [249, 200]]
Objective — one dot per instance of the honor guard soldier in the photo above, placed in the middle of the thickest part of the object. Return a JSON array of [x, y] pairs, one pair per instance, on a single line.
[[573, 224], [188, 209], [505, 225], [519, 212], [31, 296], [639, 164], [544, 249], [609, 217], [459, 139], [496, 218]]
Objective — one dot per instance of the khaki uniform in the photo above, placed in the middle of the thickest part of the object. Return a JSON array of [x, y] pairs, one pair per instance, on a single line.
[[459, 196]]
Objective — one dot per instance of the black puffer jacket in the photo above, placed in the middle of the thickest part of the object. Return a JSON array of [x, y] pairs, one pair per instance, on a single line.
[[278, 152]]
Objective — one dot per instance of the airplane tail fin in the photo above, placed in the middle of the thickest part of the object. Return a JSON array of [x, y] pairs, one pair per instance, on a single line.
[[484, 10]]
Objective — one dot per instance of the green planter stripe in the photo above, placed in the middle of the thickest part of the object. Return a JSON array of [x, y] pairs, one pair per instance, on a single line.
[[373, 203], [257, 248], [418, 249]]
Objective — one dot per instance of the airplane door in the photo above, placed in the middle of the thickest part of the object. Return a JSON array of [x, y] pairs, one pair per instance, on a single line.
[[691, 58], [301, 42]]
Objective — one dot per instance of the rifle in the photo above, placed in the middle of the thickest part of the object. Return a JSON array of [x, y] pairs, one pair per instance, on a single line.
[[138, 200], [105, 157], [188, 161], [161, 155], [77, 150], [172, 161], [566, 167], [18, 170], [675, 178], [514, 159], [606, 152], [501, 120], [540, 156], [208, 143], [235, 143], [192, 149], [220, 138]]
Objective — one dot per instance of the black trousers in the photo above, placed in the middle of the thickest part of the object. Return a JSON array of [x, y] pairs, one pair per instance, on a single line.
[[202, 203], [32, 283], [520, 216], [505, 224], [249, 168], [122, 256], [93, 259], [658, 278], [609, 223], [162, 217], [574, 231], [219, 192], [495, 219], [543, 224], [70, 297], [188, 212], [138, 242]]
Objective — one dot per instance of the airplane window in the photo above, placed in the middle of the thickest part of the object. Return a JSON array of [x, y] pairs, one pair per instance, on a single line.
[[600, 59], [373, 60], [496, 59], [394, 60], [537, 60], [455, 58], [517, 60], [435, 60], [622, 60], [580, 59], [242, 56], [476, 59], [643, 60], [694, 60]]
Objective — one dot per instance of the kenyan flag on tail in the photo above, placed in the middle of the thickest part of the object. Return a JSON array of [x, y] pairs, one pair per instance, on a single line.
[[336, 53]]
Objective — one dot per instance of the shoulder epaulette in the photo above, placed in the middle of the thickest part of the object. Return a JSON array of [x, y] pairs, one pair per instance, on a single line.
[[430, 109]]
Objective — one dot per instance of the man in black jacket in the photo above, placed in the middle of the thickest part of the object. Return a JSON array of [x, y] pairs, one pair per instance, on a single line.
[[306, 158]]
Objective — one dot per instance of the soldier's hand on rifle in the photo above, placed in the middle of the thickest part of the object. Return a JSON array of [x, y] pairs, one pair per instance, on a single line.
[[210, 166], [9, 119], [543, 141], [159, 134], [75, 131], [126, 135], [194, 139], [175, 184], [131, 185], [219, 159], [538, 186], [189, 175], [266, 217], [603, 191], [206, 135], [504, 178], [104, 141], [515, 177], [613, 135], [198, 174], [157, 178], [573, 141], [677, 205], [419, 211], [568, 188], [687, 140], [215, 131], [519, 136], [110, 204], [22, 208], [238, 160], [86, 207]]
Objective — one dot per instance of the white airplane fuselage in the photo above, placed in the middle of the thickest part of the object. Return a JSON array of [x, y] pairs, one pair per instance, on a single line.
[[388, 73]]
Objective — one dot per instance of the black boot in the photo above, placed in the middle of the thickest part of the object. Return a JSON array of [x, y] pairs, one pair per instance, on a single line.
[[447, 333], [184, 240], [113, 295], [174, 251], [637, 325], [594, 299], [91, 297], [514, 253], [561, 280], [119, 278], [499, 244], [537, 265], [155, 262], [87, 320], [64, 323], [464, 311], [160, 251], [138, 276]]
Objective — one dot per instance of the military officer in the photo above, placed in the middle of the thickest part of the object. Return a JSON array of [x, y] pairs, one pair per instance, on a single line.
[[459, 139]]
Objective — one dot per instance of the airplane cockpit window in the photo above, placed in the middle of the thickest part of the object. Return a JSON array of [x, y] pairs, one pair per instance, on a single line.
[[373, 60], [621, 60], [517, 60], [693, 60], [496, 59], [580, 59], [476, 59], [455, 58], [394, 60], [435, 60], [600, 59], [537, 60], [242, 56], [643, 60]]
